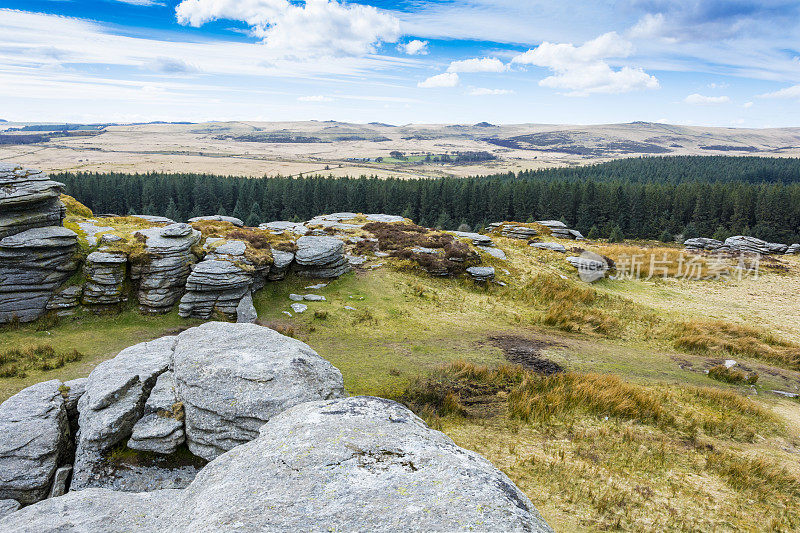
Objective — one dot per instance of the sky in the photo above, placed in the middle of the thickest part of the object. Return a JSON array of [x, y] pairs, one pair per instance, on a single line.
[[694, 62]]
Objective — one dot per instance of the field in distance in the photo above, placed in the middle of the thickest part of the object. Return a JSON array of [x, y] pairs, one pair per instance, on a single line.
[[341, 149]]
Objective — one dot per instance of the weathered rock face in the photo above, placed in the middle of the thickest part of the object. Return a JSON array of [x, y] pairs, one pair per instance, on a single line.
[[114, 401], [33, 264], [160, 430], [233, 378], [215, 284], [481, 274], [560, 230], [552, 246], [105, 275], [321, 257], [28, 199], [162, 277], [34, 439], [280, 266], [793, 249], [702, 243], [8, 506], [356, 464]]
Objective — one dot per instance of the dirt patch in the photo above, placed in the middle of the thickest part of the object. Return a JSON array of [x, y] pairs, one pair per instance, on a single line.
[[527, 352]]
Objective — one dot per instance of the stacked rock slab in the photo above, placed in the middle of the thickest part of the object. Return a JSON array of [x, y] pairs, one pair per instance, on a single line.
[[33, 264], [355, 464], [518, 232], [560, 230], [793, 249], [321, 257], [28, 199], [702, 243], [281, 262], [162, 276], [552, 246], [481, 274], [219, 282], [105, 276], [114, 400], [34, 440]]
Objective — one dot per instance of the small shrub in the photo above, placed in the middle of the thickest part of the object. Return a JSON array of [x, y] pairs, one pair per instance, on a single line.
[[364, 316], [16, 362], [731, 375], [320, 315]]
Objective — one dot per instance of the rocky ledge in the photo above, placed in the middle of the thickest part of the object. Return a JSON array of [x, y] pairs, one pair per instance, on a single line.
[[355, 464], [287, 452]]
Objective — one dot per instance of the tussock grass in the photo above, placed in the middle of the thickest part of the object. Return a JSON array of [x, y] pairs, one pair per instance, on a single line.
[[758, 475], [658, 261], [564, 397], [725, 338], [16, 363], [542, 398]]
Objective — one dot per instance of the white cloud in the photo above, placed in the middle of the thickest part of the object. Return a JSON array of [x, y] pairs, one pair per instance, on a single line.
[[699, 99], [747, 105], [648, 27], [480, 91], [486, 64], [787, 92], [314, 29], [448, 79], [316, 98], [144, 3], [414, 48], [583, 70]]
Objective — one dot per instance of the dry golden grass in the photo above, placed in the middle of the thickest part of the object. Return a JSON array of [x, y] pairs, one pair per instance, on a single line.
[[724, 338], [75, 208]]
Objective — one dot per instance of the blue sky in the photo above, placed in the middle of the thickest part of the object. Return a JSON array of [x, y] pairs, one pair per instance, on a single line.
[[723, 63]]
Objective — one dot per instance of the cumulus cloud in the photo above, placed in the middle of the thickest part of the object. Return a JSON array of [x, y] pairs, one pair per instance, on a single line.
[[414, 48], [313, 29], [480, 91], [486, 64], [583, 70], [699, 99], [787, 92], [448, 79]]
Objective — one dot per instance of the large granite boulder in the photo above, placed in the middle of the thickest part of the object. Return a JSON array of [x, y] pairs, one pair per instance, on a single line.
[[162, 276], [28, 199], [113, 401], [232, 378], [34, 440], [321, 257], [355, 464], [33, 264], [105, 276]]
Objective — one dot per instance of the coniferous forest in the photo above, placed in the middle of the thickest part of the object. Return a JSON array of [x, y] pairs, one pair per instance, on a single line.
[[647, 198]]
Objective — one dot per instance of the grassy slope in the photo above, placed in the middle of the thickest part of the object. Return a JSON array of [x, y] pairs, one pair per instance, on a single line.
[[582, 472]]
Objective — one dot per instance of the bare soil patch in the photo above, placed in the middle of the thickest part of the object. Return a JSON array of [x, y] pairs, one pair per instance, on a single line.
[[527, 352]]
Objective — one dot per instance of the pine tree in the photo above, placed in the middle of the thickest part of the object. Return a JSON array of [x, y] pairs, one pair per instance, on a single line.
[[667, 236], [593, 234], [172, 211], [616, 235]]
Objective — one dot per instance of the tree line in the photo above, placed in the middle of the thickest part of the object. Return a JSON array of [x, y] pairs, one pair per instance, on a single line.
[[635, 198]]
